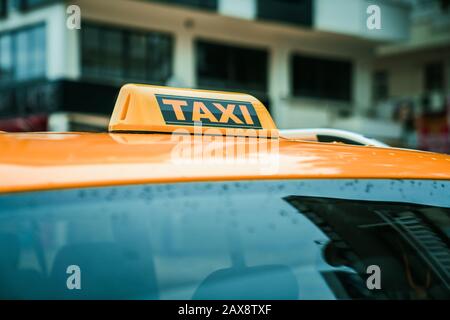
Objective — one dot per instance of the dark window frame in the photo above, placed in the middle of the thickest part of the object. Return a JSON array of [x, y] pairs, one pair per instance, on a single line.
[[126, 34], [294, 12], [434, 76], [3, 9], [380, 87], [321, 77], [212, 5], [230, 80], [25, 5]]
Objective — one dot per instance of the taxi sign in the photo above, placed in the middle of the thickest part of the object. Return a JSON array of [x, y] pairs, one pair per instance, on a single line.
[[146, 108]]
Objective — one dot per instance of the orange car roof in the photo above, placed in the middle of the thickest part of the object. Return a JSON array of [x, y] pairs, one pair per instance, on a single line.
[[38, 161]]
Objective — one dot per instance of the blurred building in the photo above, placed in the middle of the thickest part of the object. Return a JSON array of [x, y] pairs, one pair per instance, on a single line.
[[313, 63], [415, 75]]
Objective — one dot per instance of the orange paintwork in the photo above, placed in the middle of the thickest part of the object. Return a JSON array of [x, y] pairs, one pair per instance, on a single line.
[[40, 161], [137, 109]]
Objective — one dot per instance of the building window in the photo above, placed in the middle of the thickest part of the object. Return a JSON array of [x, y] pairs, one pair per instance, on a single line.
[[32, 4], [298, 12], [6, 60], [202, 4], [434, 76], [380, 85], [125, 55], [22, 54], [321, 78], [138, 56], [3, 9], [222, 66]]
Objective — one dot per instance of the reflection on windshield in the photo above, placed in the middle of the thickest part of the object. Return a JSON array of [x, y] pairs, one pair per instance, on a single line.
[[305, 239], [410, 243]]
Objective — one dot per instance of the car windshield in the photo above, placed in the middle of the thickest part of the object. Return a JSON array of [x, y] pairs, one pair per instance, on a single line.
[[290, 239]]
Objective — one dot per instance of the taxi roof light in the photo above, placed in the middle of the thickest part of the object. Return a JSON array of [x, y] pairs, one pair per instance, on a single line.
[[147, 108]]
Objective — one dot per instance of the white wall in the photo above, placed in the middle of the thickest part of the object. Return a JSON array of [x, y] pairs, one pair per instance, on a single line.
[[245, 9], [184, 60], [395, 21], [362, 85], [350, 16], [406, 69], [332, 15]]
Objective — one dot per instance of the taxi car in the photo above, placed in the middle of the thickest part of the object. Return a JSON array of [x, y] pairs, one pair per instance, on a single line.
[[196, 194]]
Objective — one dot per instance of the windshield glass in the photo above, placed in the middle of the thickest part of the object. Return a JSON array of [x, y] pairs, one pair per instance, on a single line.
[[291, 239]]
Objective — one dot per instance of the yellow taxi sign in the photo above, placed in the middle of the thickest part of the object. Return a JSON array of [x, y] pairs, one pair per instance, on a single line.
[[146, 108]]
